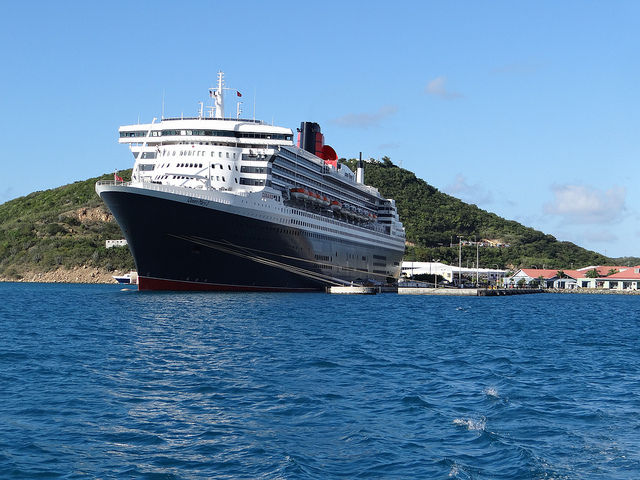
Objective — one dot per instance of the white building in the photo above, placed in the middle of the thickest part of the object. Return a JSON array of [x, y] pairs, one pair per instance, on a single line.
[[115, 243], [452, 273]]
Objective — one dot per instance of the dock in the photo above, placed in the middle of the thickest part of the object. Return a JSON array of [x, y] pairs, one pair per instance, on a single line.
[[353, 290], [467, 292]]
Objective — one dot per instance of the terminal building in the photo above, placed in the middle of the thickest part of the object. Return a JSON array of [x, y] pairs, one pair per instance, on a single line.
[[453, 274]]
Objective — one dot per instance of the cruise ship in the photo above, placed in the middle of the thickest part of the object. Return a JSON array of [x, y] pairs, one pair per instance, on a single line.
[[232, 204]]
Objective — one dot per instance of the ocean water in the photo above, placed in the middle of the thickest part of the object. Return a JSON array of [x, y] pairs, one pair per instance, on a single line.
[[97, 382]]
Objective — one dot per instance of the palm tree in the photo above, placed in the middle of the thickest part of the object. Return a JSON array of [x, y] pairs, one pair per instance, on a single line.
[[593, 273]]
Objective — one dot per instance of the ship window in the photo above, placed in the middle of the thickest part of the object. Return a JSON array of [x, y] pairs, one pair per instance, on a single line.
[[227, 154], [220, 166], [236, 180], [223, 179], [212, 154], [229, 166], [234, 155], [217, 178], [220, 154]]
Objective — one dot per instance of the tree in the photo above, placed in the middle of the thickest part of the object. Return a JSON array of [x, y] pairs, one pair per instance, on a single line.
[[521, 282], [612, 271], [561, 274], [593, 273]]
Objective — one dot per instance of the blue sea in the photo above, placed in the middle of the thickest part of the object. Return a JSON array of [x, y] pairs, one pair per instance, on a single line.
[[100, 382]]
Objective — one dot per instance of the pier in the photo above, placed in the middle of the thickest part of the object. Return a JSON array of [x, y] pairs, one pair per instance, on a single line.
[[467, 292]]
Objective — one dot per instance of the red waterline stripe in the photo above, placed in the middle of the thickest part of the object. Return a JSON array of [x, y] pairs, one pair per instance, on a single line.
[[150, 284]]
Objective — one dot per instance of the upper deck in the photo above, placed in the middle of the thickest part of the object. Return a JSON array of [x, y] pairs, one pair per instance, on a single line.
[[202, 129]]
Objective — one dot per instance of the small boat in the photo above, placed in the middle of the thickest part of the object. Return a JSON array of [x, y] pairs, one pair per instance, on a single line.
[[336, 206], [125, 279], [314, 197], [298, 193], [130, 278]]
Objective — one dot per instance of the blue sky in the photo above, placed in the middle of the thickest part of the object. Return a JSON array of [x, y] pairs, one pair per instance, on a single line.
[[527, 109]]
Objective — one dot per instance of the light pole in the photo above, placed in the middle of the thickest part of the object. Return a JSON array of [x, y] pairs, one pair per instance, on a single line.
[[477, 262], [459, 260], [436, 276]]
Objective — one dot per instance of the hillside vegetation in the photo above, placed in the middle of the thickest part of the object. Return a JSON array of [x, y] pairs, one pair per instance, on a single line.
[[66, 228], [433, 221]]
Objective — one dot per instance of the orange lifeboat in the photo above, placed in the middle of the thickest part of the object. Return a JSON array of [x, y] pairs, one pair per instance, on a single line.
[[298, 193], [335, 205], [312, 196]]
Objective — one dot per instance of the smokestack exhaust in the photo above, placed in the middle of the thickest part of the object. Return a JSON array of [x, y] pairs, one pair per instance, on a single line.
[[360, 170]]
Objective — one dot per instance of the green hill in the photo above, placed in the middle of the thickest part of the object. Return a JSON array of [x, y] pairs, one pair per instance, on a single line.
[[66, 227], [433, 220]]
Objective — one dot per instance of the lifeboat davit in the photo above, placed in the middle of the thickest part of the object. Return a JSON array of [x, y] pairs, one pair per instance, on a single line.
[[348, 211]]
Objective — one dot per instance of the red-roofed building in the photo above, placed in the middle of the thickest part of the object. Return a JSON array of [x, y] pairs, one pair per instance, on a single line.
[[545, 277], [603, 270], [627, 278]]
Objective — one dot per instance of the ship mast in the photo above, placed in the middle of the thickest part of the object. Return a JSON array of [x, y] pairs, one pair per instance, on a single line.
[[219, 97]]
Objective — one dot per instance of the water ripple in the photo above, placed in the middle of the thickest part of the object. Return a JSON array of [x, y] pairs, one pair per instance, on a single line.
[[100, 383]]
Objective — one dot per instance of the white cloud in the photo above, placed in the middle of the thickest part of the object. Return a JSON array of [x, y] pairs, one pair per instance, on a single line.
[[470, 193], [584, 204], [437, 87], [367, 119]]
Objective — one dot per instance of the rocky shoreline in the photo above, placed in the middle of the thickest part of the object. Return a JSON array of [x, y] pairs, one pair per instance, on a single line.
[[597, 291], [82, 274]]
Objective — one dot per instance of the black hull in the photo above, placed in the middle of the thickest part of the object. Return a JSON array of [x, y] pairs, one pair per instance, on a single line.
[[181, 246]]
